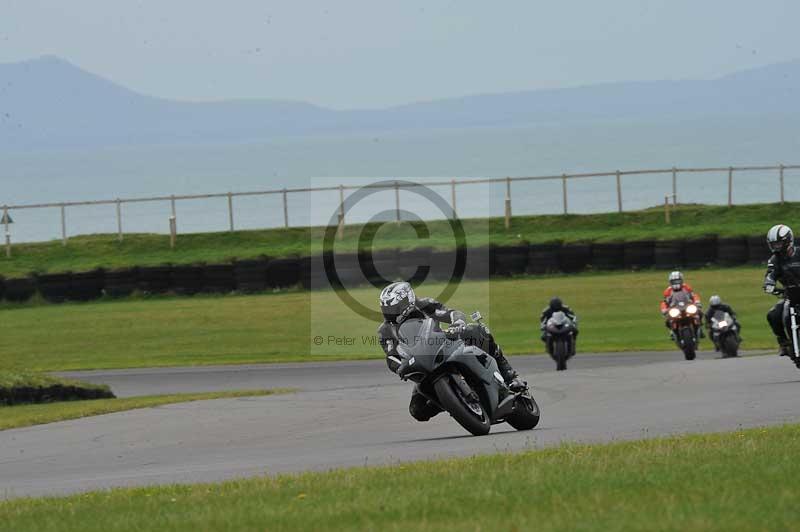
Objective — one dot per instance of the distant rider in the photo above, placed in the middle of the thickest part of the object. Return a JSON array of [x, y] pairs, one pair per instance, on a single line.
[[399, 303], [715, 304], [783, 267], [676, 284], [556, 305]]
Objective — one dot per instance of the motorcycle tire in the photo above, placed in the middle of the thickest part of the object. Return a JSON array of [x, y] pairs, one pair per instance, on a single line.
[[560, 354], [729, 347], [688, 347], [451, 400], [526, 413]]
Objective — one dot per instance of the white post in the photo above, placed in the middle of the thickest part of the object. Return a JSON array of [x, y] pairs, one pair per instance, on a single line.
[[230, 212], [8, 234], [453, 197], [730, 186], [63, 225], [285, 210], [340, 228], [173, 231], [666, 208], [119, 220], [619, 192], [508, 202], [781, 175], [674, 185], [397, 200], [564, 190]]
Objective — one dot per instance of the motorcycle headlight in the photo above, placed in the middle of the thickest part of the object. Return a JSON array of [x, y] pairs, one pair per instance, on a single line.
[[691, 309], [723, 323], [674, 313]]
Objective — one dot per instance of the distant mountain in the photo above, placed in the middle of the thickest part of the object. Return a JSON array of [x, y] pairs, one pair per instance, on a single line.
[[50, 103]]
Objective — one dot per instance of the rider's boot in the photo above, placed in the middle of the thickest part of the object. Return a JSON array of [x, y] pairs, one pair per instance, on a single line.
[[785, 347], [508, 373]]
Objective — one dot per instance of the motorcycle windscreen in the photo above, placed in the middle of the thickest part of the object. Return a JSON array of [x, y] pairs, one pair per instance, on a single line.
[[422, 338], [679, 299]]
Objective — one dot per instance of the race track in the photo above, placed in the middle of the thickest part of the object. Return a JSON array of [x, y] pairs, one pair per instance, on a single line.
[[355, 413]]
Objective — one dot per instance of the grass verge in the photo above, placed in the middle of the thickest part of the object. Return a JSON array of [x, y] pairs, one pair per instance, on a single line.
[[734, 481], [25, 387], [618, 312], [12, 417], [88, 252]]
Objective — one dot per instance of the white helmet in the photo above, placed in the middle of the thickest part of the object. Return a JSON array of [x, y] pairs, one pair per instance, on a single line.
[[397, 301], [676, 280]]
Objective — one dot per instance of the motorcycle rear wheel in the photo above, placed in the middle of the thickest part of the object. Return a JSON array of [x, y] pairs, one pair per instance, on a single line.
[[460, 408]]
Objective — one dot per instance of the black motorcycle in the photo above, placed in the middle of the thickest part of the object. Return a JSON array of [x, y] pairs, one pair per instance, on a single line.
[[791, 311], [725, 334], [559, 339], [462, 380], [684, 322]]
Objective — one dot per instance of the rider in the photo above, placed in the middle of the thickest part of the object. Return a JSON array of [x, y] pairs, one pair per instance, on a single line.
[[676, 284], [715, 305], [399, 303], [556, 305], [783, 267]]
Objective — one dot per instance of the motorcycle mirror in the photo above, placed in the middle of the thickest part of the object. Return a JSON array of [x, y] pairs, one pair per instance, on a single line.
[[476, 316]]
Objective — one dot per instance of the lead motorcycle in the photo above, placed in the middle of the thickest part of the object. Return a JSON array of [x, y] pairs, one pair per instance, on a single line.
[[462, 380], [684, 322], [559, 339], [791, 311], [724, 334]]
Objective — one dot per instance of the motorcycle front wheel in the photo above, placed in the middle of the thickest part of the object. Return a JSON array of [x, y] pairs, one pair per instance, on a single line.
[[467, 411], [729, 347], [526, 413], [687, 340], [560, 353]]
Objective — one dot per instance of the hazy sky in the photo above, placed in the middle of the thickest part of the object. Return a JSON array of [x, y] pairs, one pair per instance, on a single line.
[[351, 53]]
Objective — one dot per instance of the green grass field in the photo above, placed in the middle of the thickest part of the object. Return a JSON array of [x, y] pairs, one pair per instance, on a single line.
[[87, 252], [618, 312], [12, 417], [745, 480]]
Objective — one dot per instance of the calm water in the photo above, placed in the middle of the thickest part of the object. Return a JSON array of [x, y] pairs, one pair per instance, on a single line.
[[302, 162]]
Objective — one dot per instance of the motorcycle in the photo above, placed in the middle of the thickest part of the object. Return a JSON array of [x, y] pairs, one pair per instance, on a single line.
[[684, 322], [724, 334], [791, 310], [560, 339], [462, 380]]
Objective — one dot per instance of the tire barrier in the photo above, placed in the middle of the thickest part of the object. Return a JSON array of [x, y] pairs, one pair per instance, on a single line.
[[732, 251], [86, 286], [283, 273], [699, 252], [187, 280], [250, 276], [757, 250], [575, 257], [543, 258], [479, 262], [2, 287], [639, 254], [312, 273], [54, 287], [442, 264], [507, 261], [155, 279], [668, 254], [608, 256], [122, 282], [218, 279], [348, 268], [19, 290], [414, 265], [16, 395], [384, 266]]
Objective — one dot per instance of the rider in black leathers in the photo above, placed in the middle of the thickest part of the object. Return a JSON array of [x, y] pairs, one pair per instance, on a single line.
[[399, 303], [783, 267], [554, 306]]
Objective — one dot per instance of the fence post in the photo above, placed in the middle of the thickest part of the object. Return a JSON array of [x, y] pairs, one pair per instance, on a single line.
[[119, 220], [564, 191], [397, 200], [172, 204], [453, 197], [173, 231], [63, 225], [340, 229], [285, 210], [730, 186], [230, 212], [508, 202], [8, 234], [666, 209], [781, 175], [619, 192], [674, 185]]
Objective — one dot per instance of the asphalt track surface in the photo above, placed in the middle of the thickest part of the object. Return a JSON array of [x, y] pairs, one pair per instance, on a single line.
[[355, 414]]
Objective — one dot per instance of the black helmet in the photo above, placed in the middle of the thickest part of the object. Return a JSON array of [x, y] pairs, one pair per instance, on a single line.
[[676, 280], [780, 240], [556, 304], [397, 301]]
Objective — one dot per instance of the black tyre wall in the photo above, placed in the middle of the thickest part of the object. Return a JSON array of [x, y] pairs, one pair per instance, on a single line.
[[283, 273], [187, 280], [640, 254], [510, 260], [757, 250], [699, 252], [250, 276], [85, 286], [54, 287], [414, 265], [608, 256], [479, 262], [155, 279], [543, 258], [732, 251], [574, 257], [122, 282], [668, 254], [218, 278], [19, 290]]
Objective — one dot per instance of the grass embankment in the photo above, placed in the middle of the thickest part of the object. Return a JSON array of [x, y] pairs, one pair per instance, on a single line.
[[88, 252], [618, 312], [745, 480], [25, 387], [12, 417]]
